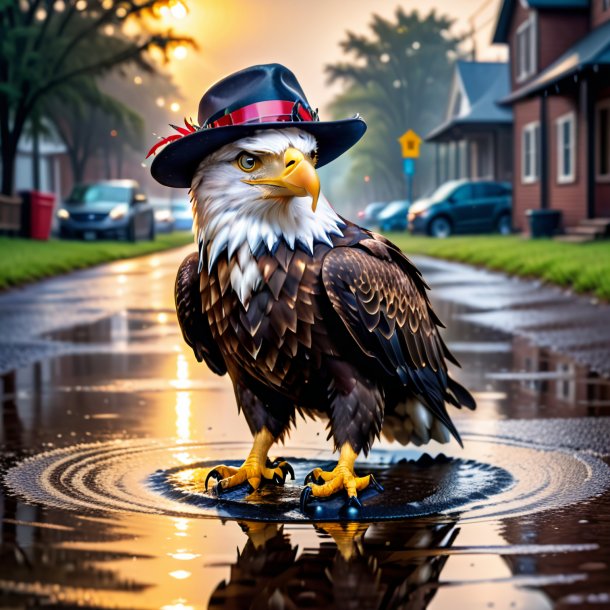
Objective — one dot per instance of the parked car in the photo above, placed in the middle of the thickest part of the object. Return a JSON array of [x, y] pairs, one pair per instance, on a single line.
[[183, 215], [164, 219], [464, 206], [108, 208], [368, 217], [394, 216]]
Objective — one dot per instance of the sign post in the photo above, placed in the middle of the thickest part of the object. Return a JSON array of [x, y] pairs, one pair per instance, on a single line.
[[410, 143]]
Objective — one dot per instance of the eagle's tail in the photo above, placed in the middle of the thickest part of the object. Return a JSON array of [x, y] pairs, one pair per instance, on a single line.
[[412, 422]]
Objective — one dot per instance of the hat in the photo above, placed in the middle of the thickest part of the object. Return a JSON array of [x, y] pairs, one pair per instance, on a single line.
[[257, 98]]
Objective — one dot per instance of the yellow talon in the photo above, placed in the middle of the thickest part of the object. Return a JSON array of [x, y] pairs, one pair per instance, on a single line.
[[341, 477], [253, 470]]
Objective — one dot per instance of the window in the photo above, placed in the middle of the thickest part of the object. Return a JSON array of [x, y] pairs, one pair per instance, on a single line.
[[462, 193], [526, 49], [565, 386], [566, 148], [602, 138], [530, 153], [486, 190]]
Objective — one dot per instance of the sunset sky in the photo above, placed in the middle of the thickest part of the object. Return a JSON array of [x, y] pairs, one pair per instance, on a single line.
[[234, 34]]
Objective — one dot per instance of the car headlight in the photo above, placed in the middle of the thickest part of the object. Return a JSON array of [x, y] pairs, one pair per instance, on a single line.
[[416, 214], [63, 214], [118, 211]]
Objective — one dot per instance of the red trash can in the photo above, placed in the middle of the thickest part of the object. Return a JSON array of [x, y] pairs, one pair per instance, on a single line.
[[38, 214]]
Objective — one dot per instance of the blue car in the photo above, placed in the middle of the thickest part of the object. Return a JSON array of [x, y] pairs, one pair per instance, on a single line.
[[368, 217], [108, 208], [464, 206], [183, 215], [394, 216]]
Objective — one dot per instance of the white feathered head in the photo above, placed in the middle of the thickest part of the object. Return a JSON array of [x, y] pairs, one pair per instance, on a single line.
[[259, 190]]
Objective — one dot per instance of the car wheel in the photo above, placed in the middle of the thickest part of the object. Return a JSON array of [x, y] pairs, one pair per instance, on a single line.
[[440, 227], [504, 225]]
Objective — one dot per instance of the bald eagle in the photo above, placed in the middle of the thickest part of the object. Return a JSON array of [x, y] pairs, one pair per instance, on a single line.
[[307, 312]]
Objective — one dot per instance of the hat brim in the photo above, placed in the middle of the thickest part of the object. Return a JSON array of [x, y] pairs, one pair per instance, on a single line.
[[176, 164]]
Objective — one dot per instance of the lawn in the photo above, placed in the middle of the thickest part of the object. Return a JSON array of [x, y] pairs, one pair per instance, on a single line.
[[27, 260], [580, 267]]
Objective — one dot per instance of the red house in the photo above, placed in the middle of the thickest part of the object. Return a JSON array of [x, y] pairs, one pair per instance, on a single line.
[[560, 96]]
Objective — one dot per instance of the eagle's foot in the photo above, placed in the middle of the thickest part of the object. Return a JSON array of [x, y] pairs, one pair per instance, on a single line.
[[256, 470], [322, 484], [250, 471]]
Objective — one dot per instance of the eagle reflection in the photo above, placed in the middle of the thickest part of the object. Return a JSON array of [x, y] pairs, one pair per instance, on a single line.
[[356, 566]]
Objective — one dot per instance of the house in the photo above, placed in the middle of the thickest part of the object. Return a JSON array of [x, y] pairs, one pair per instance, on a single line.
[[560, 97], [51, 159], [475, 139]]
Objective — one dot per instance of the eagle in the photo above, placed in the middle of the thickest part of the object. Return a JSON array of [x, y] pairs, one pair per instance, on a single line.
[[306, 312]]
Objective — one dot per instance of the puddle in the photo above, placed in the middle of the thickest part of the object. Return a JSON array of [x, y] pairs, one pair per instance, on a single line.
[[490, 478], [97, 513]]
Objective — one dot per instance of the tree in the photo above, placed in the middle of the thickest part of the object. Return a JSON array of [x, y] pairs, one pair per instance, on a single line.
[[43, 48], [86, 119], [397, 78]]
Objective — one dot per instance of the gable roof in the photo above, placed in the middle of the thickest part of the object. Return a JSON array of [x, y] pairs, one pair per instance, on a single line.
[[505, 14], [476, 77], [483, 84], [591, 51]]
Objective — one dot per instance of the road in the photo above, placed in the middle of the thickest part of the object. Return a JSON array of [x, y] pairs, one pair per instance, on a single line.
[[101, 394]]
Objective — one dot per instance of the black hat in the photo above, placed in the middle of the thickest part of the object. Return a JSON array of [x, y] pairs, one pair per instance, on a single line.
[[261, 97]]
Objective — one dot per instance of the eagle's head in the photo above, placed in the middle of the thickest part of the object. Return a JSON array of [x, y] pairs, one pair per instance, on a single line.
[[254, 192]]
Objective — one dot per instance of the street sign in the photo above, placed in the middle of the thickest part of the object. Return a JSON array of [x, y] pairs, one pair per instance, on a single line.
[[410, 143], [409, 167]]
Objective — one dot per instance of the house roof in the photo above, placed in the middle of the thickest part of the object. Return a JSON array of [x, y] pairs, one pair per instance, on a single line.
[[507, 8], [483, 83], [592, 50]]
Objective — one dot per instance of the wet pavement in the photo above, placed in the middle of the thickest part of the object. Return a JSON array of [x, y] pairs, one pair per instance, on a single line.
[[106, 415]]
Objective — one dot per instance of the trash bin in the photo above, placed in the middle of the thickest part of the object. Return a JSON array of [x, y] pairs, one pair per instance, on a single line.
[[37, 214], [543, 223]]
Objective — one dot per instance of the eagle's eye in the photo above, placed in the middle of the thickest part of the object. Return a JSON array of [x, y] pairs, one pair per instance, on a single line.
[[248, 162], [314, 156]]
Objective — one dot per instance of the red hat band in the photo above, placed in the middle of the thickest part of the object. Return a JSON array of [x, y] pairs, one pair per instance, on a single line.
[[268, 111]]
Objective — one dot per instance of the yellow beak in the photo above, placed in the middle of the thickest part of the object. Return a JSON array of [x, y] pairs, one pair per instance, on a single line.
[[298, 179]]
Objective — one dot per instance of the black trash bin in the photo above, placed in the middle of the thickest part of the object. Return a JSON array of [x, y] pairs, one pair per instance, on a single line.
[[543, 223]]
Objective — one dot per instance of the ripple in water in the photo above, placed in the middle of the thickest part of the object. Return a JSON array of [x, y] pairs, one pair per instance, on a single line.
[[490, 478]]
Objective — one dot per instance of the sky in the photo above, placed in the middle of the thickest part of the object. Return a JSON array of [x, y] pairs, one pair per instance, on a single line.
[[304, 36]]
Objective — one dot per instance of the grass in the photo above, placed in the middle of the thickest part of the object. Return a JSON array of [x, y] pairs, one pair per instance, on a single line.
[[27, 260], [584, 268]]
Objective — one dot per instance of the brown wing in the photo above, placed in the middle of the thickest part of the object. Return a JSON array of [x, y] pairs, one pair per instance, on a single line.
[[194, 325], [385, 309]]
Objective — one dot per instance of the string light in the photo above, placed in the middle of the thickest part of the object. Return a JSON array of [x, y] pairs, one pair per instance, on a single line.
[[180, 52]]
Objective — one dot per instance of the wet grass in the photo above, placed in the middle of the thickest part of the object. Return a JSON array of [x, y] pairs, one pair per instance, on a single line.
[[27, 260], [585, 268]]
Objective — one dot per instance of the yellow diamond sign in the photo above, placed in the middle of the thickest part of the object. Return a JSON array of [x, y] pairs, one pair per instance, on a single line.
[[410, 143]]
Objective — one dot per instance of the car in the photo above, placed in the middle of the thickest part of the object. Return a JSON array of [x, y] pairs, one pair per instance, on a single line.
[[164, 219], [183, 215], [394, 216], [107, 208], [464, 206], [368, 217]]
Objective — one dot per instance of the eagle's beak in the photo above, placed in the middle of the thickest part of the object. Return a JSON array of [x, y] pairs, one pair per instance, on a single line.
[[299, 177]]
